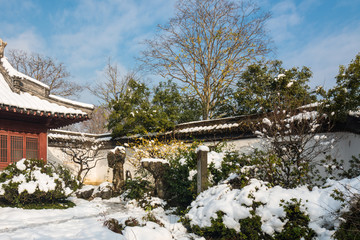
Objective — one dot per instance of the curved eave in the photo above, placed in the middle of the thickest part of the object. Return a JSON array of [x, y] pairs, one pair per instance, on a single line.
[[49, 119]]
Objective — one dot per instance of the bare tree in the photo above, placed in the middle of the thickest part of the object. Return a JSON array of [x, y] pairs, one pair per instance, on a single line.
[[83, 152], [207, 45], [112, 86], [46, 70], [97, 123]]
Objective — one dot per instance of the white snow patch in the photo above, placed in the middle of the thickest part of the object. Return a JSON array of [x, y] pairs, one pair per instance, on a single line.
[[267, 121], [192, 174], [154, 160], [216, 158], [120, 148], [202, 148], [20, 164]]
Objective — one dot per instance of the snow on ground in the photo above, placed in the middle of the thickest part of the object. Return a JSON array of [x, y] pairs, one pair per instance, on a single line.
[[85, 221]]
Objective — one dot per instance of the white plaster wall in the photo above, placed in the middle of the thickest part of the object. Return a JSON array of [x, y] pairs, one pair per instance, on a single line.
[[346, 145], [101, 173], [244, 145]]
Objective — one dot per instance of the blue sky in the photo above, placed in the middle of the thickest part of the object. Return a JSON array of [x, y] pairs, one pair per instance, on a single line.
[[83, 34]]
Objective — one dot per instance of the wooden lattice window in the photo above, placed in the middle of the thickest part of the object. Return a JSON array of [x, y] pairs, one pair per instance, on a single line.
[[16, 148], [3, 148], [32, 148], [18, 145]]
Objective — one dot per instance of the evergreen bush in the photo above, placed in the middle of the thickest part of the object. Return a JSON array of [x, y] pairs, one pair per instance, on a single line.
[[349, 229], [33, 183], [296, 226], [229, 164], [297, 223], [180, 186], [137, 188]]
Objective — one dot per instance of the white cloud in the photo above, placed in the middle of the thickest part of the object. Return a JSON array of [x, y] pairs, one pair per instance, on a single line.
[[284, 16], [27, 41], [93, 31], [325, 53]]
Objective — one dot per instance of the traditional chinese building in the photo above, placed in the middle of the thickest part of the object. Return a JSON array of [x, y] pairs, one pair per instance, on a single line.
[[28, 111]]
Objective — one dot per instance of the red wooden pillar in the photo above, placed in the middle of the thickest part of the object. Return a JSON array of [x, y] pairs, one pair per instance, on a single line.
[[43, 146]]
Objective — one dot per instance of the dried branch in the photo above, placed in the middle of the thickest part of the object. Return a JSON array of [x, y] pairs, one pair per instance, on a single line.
[[46, 70]]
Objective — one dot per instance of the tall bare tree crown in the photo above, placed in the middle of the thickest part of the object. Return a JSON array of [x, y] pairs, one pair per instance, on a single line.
[[207, 45]]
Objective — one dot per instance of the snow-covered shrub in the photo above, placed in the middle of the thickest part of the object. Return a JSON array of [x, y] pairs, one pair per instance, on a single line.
[[68, 178], [32, 182], [217, 230], [222, 164], [297, 222], [350, 227], [271, 211], [349, 215]]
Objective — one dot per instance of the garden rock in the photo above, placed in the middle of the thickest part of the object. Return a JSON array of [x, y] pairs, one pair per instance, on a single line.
[[157, 168], [86, 194], [116, 160], [103, 191]]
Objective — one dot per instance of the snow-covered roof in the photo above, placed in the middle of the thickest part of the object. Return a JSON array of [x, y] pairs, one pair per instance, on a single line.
[[65, 100], [208, 128], [27, 101], [20, 93], [15, 73]]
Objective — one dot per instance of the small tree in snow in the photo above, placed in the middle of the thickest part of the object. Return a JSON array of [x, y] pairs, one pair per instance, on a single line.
[[293, 142], [83, 152]]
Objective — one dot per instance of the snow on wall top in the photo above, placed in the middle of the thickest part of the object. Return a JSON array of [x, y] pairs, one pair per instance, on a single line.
[[15, 73], [29, 102], [71, 135], [58, 136]]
